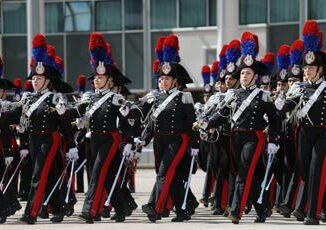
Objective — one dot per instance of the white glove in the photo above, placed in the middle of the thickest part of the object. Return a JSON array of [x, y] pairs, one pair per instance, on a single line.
[[80, 123], [8, 160], [23, 153], [88, 135], [139, 142], [61, 109], [127, 151], [72, 154], [204, 125], [194, 152], [124, 110], [272, 148]]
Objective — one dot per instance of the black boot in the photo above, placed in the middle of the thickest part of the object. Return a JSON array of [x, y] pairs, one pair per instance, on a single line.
[[86, 217], [106, 212], [323, 216], [261, 218], [3, 219], [27, 219], [218, 212], [234, 218], [310, 221], [299, 215], [148, 209], [120, 218], [44, 214], [57, 218]]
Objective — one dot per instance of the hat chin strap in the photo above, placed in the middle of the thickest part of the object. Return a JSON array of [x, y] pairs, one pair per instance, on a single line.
[[43, 86], [317, 76]]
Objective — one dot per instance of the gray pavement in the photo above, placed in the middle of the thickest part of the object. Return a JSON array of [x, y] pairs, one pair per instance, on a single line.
[[138, 221]]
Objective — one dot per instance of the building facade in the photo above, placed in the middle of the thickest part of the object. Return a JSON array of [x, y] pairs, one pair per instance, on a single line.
[[133, 26]]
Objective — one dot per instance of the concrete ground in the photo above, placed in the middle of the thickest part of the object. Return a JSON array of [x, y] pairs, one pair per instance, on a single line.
[[144, 181]]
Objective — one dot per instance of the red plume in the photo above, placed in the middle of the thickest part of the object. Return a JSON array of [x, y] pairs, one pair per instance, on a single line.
[[96, 40], [283, 50], [18, 82], [297, 45], [39, 41], [234, 44], [223, 50], [50, 49], [156, 65], [205, 69], [81, 80], [159, 43], [310, 27], [214, 68], [269, 58], [172, 41]]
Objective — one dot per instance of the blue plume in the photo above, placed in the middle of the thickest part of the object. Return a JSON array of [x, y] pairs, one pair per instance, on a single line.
[[248, 48], [311, 43], [39, 54]]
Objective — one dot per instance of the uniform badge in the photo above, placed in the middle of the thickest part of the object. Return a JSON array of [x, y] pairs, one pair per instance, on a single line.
[[230, 67], [309, 57], [283, 73], [39, 69], [248, 60], [222, 73], [166, 68], [207, 88], [295, 70], [100, 69], [265, 79]]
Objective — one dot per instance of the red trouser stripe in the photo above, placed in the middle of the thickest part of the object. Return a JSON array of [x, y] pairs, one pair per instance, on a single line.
[[322, 186], [170, 174], [103, 173], [259, 149], [225, 190], [38, 197]]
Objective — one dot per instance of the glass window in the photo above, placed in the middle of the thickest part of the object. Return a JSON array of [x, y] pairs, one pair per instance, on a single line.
[[54, 17], [212, 12], [78, 16], [116, 43], [135, 60], [284, 11], [322, 27], [282, 34], [192, 13], [133, 14], [14, 18], [163, 14], [211, 55], [77, 57], [108, 15], [253, 11], [14, 56], [316, 9]]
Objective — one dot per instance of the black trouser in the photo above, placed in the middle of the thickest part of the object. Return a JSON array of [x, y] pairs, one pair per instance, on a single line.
[[209, 171], [106, 158], [248, 149], [43, 151], [82, 156], [25, 176], [167, 148], [220, 154], [312, 152]]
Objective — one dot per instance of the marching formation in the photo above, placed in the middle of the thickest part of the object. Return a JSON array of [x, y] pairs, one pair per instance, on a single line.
[[259, 134]]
